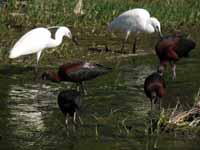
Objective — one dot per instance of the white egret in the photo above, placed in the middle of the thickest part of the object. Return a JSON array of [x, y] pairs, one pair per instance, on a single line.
[[38, 39], [135, 20]]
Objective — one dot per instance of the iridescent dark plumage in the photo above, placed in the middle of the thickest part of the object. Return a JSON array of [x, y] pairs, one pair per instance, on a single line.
[[76, 72], [154, 87], [171, 48], [69, 102], [81, 71]]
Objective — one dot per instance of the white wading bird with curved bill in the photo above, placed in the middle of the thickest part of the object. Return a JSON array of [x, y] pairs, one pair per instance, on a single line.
[[135, 20], [38, 39]]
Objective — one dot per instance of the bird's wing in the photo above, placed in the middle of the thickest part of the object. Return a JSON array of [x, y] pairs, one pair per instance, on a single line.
[[136, 20], [172, 54], [32, 42], [140, 20]]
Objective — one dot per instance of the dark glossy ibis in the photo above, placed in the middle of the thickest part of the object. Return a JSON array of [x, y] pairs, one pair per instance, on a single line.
[[76, 72], [171, 49], [69, 102], [155, 88]]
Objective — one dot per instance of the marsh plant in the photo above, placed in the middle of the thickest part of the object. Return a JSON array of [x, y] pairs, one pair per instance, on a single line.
[[96, 13], [19, 16]]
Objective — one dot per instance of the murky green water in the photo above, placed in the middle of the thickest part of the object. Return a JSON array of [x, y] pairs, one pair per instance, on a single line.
[[30, 118]]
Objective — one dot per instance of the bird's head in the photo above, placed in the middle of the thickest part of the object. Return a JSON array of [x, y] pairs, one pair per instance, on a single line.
[[46, 75], [160, 70], [50, 75], [156, 25], [65, 31], [68, 34]]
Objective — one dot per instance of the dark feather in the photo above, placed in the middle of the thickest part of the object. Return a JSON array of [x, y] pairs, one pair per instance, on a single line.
[[154, 86], [69, 101], [78, 72]]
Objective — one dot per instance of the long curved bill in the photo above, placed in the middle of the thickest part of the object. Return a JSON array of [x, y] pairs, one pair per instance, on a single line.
[[74, 39], [160, 34]]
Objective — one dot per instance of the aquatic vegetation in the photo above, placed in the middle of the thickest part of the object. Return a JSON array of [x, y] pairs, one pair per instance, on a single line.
[[176, 121]]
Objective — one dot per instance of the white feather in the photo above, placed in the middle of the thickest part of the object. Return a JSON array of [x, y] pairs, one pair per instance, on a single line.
[[32, 42], [38, 39], [135, 20]]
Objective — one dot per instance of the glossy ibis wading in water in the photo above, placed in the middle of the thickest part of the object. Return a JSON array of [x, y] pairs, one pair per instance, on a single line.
[[76, 72], [170, 49], [135, 20], [38, 39], [155, 88], [69, 102]]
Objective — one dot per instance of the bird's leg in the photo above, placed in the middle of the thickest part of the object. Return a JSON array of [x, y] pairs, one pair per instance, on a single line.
[[66, 120], [156, 103], [158, 99], [36, 69], [83, 90], [79, 118], [151, 123], [74, 40], [77, 87], [174, 71], [24, 59], [173, 65], [74, 119], [151, 105], [122, 48], [125, 40], [134, 44], [38, 57]]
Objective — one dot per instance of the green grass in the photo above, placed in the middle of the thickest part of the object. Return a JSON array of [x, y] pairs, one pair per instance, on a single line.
[[97, 12], [20, 16]]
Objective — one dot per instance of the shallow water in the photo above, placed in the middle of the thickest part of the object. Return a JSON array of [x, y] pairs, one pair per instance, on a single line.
[[30, 118]]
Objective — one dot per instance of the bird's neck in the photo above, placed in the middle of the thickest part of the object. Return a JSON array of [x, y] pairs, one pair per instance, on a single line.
[[58, 39], [149, 27], [54, 77]]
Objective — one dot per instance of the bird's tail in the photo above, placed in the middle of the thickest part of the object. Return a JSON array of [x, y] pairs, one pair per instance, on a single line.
[[102, 69], [14, 53], [186, 46]]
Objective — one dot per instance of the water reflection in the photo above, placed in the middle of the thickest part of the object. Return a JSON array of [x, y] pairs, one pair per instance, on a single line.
[[30, 118], [24, 113]]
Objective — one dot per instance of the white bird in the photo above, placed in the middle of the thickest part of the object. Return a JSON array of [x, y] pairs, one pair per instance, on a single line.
[[135, 20], [38, 39]]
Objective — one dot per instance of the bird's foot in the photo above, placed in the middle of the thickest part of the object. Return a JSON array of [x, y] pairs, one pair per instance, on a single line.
[[80, 120], [85, 92], [174, 76]]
